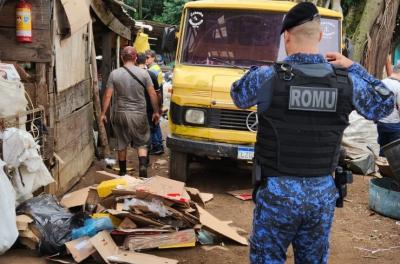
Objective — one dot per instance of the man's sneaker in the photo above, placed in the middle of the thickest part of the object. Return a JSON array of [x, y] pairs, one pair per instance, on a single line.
[[157, 151], [143, 171]]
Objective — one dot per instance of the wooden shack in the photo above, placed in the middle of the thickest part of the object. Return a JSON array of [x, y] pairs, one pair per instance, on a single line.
[[57, 70]]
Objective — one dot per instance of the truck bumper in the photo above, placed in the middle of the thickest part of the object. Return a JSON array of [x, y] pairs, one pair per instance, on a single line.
[[204, 148]]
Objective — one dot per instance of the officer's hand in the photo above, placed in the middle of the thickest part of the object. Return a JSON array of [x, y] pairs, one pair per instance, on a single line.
[[338, 59], [156, 118], [103, 118]]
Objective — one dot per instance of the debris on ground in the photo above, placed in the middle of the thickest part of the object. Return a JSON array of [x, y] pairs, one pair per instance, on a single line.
[[244, 195], [118, 218]]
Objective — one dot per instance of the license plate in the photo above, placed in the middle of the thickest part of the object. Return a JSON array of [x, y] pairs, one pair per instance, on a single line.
[[245, 153]]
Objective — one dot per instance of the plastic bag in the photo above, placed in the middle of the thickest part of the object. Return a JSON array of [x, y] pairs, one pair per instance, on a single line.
[[20, 152], [155, 206], [53, 222], [12, 100], [92, 227], [8, 226]]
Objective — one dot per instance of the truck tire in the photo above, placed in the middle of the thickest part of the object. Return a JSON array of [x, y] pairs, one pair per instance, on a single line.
[[178, 166]]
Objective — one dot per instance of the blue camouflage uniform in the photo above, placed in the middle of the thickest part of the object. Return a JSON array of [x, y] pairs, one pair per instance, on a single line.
[[300, 210]]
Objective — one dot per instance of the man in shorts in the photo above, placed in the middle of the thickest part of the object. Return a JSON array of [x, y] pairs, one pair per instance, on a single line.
[[129, 84]]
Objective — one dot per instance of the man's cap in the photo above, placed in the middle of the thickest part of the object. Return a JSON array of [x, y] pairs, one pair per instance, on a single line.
[[299, 14]]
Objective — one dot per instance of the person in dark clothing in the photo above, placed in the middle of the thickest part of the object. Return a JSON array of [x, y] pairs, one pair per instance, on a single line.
[[303, 105], [141, 63]]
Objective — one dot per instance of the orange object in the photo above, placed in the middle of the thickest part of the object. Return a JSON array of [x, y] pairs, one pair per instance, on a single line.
[[24, 22]]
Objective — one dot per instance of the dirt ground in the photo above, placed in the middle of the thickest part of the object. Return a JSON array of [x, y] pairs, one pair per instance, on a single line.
[[358, 235]]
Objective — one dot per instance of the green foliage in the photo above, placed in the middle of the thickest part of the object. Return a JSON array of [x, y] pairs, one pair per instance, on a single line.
[[150, 9], [172, 12], [352, 12], [166, 11]]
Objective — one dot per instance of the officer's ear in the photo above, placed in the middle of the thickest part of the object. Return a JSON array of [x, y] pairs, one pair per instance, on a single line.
[[320, 36], [286, 36]]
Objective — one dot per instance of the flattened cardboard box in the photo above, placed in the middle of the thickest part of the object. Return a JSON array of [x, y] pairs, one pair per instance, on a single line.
[[180, 239], [80, 248], [110, 253], [74, 199], [222, 228]]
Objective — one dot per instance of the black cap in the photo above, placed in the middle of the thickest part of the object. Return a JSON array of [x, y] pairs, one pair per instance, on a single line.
[[299, 14]]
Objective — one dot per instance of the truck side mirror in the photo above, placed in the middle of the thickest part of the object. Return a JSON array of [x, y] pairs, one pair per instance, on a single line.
[[169, 41]]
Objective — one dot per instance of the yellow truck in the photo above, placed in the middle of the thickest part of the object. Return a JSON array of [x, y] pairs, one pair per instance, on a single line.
[[218, 41]]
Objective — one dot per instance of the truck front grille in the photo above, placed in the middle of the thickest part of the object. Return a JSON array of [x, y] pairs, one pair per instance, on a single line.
[[229, 119]]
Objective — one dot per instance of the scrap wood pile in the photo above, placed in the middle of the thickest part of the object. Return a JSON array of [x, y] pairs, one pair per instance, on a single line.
[[118, 219]]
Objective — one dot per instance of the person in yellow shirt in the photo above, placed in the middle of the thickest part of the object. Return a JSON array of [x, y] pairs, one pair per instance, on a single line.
[[156, 147]]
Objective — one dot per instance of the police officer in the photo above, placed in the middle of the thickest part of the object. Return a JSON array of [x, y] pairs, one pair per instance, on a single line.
[[303, 106]]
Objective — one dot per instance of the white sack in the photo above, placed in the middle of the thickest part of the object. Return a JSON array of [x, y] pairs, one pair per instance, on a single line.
[[358, 136], [20, 152], [8, 226], [12, 100]]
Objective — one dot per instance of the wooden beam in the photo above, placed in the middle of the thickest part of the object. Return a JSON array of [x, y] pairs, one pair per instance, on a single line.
[[108, 19], [96, 102], [42, 92]]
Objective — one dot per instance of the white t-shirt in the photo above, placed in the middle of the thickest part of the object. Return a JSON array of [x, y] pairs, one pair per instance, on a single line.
[[394, 86]]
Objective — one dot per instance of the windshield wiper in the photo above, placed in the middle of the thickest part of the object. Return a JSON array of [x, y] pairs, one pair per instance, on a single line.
[[227, 63], [263, 61]]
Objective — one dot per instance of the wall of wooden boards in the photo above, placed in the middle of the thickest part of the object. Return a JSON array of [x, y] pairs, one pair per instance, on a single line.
[[74, 145], [71, 59], [40, 48]]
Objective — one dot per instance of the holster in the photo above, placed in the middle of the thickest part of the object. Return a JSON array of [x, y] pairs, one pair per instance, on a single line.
[[257, 178]]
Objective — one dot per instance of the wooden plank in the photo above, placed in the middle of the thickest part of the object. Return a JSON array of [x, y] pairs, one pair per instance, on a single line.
[[37, 51], [71, 59], [72, 127], [73, 98], [76, 168], [108, 19], [77, 12], [40, 14], [41, 86]]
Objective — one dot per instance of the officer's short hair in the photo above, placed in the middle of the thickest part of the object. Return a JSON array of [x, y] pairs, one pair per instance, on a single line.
[[396, 68], [307, 31]]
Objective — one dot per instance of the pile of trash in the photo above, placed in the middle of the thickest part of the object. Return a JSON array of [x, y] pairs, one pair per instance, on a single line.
[[119, 218]]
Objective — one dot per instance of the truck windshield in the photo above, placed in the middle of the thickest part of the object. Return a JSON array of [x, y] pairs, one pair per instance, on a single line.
[[242, 38]]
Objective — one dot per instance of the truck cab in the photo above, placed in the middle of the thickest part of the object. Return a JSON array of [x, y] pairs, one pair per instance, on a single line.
[[218, 42]]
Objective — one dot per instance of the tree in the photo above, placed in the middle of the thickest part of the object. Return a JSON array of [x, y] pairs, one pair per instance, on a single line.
[[172, 12], [370, 25]]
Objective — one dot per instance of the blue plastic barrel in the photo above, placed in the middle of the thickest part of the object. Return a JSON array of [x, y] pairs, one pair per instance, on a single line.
[[384, 197]]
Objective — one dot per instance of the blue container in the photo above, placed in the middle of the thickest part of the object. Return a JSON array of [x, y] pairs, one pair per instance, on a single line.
[[384, 197]]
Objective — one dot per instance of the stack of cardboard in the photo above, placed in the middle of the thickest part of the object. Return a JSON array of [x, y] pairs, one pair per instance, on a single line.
[[146, 214], [28, 235]]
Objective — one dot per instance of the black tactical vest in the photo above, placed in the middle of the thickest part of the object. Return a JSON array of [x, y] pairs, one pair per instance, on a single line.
[[301, 132]]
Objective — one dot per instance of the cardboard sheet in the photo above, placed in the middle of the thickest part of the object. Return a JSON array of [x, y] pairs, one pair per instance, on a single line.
[[199, 197], [180, 239], [244, 195], [101, 176], [74, 199], [110, 253], [80, 249], [163, 187], [23, 222], [220, 227]]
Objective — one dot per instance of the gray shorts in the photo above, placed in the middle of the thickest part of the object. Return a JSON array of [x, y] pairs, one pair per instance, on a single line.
[[131, 128]]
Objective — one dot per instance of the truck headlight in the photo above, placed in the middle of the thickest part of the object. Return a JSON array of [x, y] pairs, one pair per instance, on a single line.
[[195, 116]]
